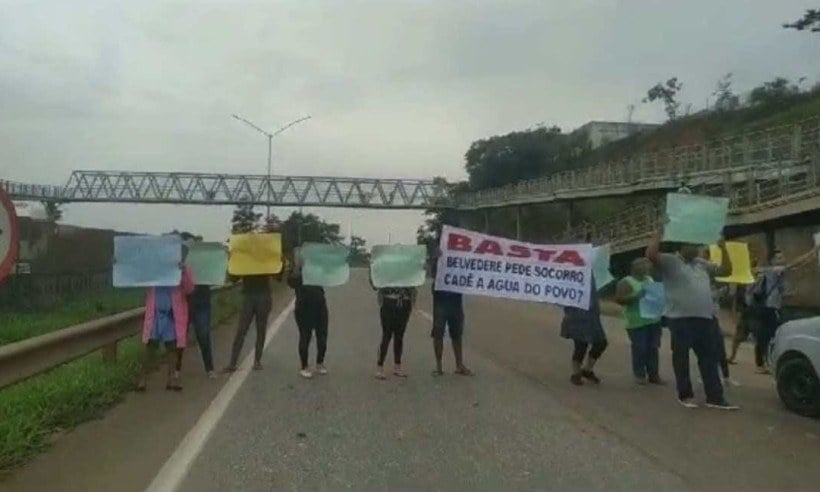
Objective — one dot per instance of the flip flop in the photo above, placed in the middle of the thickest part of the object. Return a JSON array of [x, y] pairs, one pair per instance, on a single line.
[[463, 371], [437, 373]]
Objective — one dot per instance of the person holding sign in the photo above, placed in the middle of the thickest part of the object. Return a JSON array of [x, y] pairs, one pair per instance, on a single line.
[[311, 316], [448, 315], [256, 306], [644, 332], [584, 328], [690, 313], [166, 322], [395, 306], [767, 299]]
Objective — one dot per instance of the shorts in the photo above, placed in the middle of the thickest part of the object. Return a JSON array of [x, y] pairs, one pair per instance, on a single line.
[[447, 315]]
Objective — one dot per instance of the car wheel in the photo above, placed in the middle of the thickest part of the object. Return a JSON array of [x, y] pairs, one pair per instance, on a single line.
[[798, 387]]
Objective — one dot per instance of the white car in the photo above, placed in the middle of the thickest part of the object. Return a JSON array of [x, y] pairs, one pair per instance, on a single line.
[[795, 356]]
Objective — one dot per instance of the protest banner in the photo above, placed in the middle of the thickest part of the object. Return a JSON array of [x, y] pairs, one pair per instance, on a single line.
[[600, 266], [478, 264], [653, 302], [694, 219], [208, 263], [398, 265], [147, 261], [741, 262], [324, 265], [255, 254]]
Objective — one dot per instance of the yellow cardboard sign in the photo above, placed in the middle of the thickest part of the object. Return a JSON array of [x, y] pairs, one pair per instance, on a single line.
[[741, 262], [255, 254]]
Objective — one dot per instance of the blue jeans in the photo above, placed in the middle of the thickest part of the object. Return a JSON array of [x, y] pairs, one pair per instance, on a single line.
[[201, 319], [646, 341]]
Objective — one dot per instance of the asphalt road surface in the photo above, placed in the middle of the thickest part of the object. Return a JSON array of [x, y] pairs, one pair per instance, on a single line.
[[517, 425]]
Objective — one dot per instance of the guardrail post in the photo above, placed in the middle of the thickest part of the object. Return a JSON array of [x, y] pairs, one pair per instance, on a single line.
[[486, 214], [109, 353]]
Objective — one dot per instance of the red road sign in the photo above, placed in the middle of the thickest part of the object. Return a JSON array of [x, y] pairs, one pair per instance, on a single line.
[[9, 235]]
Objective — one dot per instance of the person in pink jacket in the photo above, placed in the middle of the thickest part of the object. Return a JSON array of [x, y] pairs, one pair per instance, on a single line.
[[166, 323]]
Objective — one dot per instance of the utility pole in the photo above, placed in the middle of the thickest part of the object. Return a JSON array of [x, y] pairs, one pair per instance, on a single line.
[[270, 136]]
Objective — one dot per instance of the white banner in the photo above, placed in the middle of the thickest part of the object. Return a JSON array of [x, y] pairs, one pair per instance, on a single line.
[[478, 264]]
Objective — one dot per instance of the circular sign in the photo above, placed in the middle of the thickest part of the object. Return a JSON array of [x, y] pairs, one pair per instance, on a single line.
[[9, 235]]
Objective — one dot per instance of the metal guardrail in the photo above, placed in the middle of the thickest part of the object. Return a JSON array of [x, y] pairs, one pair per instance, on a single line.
[[26, 358], [695, 164]]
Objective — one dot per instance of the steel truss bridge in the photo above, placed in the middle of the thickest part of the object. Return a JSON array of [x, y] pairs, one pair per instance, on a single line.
[[227, 189]]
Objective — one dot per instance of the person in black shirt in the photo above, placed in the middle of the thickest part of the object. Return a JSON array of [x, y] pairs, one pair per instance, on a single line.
[[395, 306], [256, 306], [311, 315]]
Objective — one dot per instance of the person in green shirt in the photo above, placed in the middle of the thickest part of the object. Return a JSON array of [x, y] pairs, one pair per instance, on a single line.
[[644, 333]]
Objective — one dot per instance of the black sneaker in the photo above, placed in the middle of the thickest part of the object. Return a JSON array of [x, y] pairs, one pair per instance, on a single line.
[[722, 405], [591, 376], [576, 380]]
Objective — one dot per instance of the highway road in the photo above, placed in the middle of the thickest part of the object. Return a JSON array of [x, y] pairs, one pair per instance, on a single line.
[[517, 425]]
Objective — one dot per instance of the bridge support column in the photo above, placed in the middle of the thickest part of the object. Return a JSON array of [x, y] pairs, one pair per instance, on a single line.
[[518, 223], [570, 215]]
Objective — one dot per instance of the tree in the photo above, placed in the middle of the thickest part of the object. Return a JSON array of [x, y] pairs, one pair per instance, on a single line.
[[516, 156], [810, 21], [667, 93], [358, 252], [244, 219], [300, 228], [725, 100], [774, 92], [272, 224], [53, 210]]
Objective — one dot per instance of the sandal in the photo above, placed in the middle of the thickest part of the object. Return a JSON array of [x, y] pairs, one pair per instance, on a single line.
[[438, 373], [463, 371]]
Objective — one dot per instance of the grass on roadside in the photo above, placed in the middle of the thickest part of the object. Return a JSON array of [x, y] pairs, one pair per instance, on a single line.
[[19, 325], [33, 411]]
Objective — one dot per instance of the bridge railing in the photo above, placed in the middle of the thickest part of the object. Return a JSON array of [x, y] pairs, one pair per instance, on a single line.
[[32, 191], [785, 143], [763, 188]]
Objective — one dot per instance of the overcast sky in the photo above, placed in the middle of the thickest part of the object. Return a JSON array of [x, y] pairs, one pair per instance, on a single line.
[[395, 88]]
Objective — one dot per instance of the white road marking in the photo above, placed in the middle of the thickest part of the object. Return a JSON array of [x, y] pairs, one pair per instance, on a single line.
[[174, 470], [425, 314]]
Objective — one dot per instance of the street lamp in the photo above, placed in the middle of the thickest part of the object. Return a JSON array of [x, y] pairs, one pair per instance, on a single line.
[[270, 136]]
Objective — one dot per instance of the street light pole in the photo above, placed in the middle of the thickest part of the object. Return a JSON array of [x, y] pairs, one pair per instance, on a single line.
[[270, 136]]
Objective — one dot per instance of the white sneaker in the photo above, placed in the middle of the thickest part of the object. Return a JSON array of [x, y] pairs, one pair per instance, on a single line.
[[722, 405], [321, 369], [306, 374], [688, 402]]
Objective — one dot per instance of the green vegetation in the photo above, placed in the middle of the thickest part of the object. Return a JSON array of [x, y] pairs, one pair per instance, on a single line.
[[33, 411], [522, 155], [19, 325]]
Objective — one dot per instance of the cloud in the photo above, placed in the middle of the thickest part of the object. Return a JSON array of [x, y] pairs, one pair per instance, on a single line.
[[395, 88]]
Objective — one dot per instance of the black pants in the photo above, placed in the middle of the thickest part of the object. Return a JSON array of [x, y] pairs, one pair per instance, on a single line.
[[394, 317], [309, 318], [696, 334], [767, 324], [595, 350], [720, 347], [255, 307]]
